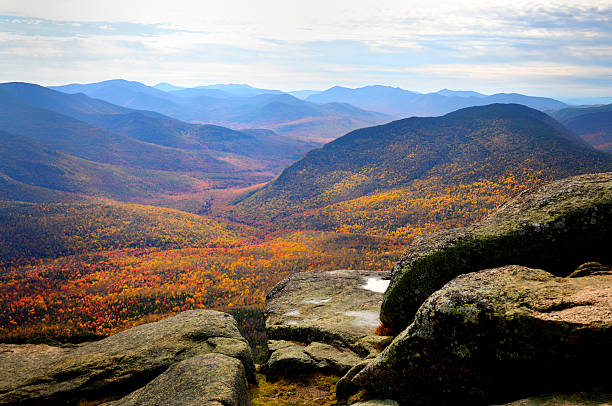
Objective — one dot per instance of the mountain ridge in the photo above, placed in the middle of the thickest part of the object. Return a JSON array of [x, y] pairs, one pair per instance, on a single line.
[[593, 124], [471, 145], [248, 109], [404, 103], [94, 148]]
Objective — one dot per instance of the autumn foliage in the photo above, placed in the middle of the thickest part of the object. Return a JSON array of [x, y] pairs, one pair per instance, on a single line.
[[101, 291], [75, 272], [83, 270], [79, 271]]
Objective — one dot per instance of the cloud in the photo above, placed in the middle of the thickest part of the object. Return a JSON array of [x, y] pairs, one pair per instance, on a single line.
[[536, 44], [25, 21]]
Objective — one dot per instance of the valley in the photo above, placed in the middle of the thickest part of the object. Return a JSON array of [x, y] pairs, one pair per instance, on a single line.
[[114, 216], [86, 147]]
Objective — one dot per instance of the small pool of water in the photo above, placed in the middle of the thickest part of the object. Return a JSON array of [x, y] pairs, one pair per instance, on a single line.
[[377, 285]]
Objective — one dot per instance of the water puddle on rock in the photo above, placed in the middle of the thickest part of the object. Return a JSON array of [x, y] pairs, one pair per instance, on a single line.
[[376, 285], [317, 300], [293, 313], [364, 318]]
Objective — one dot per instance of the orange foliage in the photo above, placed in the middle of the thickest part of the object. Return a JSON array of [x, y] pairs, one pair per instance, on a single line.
[[77, 296], [109, 267]]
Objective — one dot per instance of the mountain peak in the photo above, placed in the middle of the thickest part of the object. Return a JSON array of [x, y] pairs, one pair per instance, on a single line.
[[472, 144], [167, 87], [459, 93]]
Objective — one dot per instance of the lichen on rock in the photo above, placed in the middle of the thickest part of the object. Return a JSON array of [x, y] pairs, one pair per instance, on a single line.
[[556, 227], [499, 334]]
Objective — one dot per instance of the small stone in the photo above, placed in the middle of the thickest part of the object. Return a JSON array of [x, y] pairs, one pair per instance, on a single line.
[[289, 359], [328, 357]]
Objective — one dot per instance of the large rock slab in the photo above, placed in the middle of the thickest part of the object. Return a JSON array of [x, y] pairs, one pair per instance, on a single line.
[[339, 308], [211, 379], [119, 364], [556, 227], [498, 335]]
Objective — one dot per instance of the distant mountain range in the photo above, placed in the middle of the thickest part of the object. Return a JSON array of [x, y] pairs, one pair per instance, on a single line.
[[587, 100], [593, 124], [403, 103], [306, 114], [235, 106], [90, 140], [233, 89], [371, 170], [222, 90], [71, 143], [303, 94], [460, 93]]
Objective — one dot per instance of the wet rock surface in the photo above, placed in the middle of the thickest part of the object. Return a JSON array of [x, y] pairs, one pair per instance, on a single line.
[[556, 227], [324, 322], [490, 336], [339, 308], [119, 364]]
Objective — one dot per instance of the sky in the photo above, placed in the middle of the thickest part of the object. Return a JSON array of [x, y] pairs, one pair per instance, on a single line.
[[555, 48]]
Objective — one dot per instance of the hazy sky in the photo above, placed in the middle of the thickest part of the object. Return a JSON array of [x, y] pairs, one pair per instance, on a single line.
[[551, 48]]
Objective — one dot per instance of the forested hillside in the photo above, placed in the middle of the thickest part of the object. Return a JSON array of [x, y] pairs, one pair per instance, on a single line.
[[468, 160], [64, 147], [35, 172], [79, 271]]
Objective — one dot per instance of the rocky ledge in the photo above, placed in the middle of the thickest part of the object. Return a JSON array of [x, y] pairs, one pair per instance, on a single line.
[[556, 227], [195, 357], [517, 306], [324, 321], [498, 335]]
